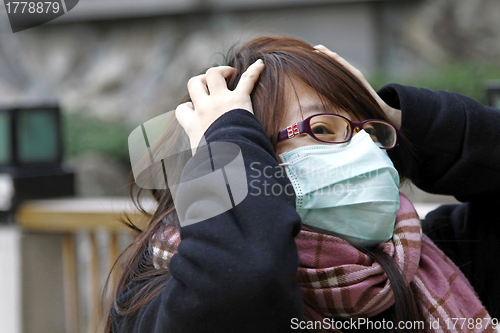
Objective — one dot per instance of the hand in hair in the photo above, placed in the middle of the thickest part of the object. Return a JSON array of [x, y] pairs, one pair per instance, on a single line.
[[211, 98], [394, 115]]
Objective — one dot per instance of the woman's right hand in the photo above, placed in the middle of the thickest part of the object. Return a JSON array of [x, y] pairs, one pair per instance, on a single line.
[[393, 114], [211, 98]]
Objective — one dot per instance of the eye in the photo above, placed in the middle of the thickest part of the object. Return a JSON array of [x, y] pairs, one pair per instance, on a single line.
[[321, 129], [370, 130]]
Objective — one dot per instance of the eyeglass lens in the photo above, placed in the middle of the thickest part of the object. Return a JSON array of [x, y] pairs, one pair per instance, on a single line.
[[336, 129]]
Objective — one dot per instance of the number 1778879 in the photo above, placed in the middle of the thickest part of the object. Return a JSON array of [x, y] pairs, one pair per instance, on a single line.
[[39, 7]]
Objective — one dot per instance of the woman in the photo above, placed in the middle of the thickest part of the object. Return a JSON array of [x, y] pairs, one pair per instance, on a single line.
[[296, 260]]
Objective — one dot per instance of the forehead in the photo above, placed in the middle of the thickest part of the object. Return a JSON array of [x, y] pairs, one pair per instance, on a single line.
[[303, 101]]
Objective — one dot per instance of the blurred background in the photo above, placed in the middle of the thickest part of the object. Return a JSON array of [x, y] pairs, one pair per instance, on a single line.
[[111, 65]]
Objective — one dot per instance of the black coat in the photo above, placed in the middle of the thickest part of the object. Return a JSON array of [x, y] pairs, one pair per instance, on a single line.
[[456, 141], [235, 272]]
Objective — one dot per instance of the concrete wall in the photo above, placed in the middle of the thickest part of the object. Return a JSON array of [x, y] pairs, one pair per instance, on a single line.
[[137, 67]]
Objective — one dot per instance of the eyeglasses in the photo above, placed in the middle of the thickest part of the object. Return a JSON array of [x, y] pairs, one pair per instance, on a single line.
[[334, 128]]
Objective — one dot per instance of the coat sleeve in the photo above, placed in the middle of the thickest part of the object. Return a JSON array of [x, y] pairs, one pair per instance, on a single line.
[[234, 272], [455, 139], [456, 145]]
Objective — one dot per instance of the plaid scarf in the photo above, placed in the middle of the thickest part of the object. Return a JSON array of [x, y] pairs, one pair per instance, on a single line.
[[164, 244], [338, 280]]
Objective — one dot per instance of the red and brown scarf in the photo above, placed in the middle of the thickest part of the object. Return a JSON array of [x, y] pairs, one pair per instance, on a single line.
[[338, 280]]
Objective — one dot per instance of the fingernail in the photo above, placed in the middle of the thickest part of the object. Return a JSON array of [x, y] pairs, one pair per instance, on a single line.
[[259, 61]]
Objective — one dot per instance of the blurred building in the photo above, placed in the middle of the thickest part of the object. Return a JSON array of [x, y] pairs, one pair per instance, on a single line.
[[132, 59]]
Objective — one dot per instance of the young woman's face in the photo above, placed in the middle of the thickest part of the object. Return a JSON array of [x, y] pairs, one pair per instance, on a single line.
[[302, 102]]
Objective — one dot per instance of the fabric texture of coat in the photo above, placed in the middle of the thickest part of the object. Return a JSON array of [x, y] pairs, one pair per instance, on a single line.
[[236, 272]]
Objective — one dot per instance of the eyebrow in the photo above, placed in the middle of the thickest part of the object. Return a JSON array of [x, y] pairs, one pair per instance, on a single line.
[[311, 108]]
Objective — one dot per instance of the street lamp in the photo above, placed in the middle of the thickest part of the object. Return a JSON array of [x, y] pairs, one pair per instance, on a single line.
[[31, 156]]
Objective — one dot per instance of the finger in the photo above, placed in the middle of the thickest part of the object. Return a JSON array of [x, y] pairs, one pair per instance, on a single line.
[[250, 76], [184, 113], [197, 88], [356, 72], [338, 58], [328, 52], [324, 49], [349, 67], [321, 47], [188, 106], [342, 61], [216, 78]]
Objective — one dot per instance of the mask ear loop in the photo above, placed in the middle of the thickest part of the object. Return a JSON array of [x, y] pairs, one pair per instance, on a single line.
[[283, 166]]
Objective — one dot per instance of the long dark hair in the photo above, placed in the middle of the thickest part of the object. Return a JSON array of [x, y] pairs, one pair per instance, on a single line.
[[285, 58]]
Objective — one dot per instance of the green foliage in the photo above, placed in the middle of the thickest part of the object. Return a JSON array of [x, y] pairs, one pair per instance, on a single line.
[[84, 133], [467, 78]]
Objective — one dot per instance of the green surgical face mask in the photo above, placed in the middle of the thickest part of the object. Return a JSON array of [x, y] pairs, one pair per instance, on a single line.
[[350, 190]]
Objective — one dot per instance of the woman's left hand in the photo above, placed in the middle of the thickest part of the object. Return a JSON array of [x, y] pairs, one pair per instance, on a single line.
[[393, 114], [211, 98]]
